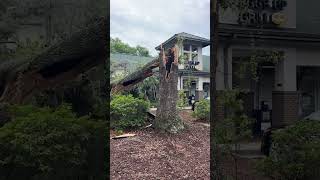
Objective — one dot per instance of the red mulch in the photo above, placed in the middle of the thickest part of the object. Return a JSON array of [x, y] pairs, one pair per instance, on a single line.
[[154, 155]]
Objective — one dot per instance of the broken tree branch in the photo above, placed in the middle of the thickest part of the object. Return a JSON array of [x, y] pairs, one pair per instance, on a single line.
[[127, 83], [62, 62]]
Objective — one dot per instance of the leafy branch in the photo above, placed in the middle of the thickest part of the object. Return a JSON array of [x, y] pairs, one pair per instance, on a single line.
[[253, 63]]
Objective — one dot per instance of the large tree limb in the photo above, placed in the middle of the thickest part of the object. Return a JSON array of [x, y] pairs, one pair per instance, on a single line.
[[59, 64], [127, 83]]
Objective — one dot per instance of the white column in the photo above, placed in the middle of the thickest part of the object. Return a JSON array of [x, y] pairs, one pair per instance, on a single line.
[[181, 53], [181, 84], [200, 66], [200, 84], [178, 85], [285, 72], [190, 52]]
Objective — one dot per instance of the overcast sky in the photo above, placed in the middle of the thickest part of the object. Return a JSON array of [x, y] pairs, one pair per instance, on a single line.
[[150, 22]]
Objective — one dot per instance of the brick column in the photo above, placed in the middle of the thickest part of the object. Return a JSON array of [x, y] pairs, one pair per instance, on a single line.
[[284, 108], [285, 96]]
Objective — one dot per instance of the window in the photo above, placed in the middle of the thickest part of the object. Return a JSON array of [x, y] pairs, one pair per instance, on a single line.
[[186, 57], [186, 47], [206, 89], [194, 49]]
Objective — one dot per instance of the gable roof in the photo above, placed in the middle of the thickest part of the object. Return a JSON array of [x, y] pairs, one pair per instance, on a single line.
[[205, 42]]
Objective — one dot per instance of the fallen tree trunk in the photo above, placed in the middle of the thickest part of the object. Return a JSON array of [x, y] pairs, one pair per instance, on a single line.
[[134, 78], [61, 63]]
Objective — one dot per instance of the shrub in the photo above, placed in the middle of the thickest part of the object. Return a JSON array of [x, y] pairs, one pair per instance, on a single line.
[[154, 104], [202, 110], [295, 152], [183, 100], [45, 143], [128, 112]]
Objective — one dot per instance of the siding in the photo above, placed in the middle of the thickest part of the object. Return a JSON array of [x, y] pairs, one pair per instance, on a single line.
[[308, 16]]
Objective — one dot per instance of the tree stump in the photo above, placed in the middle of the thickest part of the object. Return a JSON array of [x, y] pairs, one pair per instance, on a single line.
[[167, 117]]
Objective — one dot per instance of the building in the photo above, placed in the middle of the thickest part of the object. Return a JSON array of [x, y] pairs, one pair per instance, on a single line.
[[194, 73], [289, 89]]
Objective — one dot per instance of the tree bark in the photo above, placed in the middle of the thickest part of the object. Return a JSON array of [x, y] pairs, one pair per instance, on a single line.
[[214, 21], [167, 117], [213, 66], [59, 64]]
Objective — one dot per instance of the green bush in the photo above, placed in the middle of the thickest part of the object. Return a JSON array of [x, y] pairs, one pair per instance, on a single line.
[[128, 112], [183, 100], [202, 110], [44, 143], [154, 104], [295, 152]]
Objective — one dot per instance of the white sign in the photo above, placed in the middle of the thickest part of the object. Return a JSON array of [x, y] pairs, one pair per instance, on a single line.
[[265, 13]]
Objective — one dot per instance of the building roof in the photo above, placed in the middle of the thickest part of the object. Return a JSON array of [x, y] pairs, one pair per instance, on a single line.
[[186, 36], [135, 61]]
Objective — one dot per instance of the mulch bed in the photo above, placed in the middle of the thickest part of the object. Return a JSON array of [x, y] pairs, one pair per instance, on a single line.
[[154, 155]]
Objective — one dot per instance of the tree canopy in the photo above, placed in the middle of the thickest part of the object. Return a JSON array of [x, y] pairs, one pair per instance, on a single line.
[[118, 46]]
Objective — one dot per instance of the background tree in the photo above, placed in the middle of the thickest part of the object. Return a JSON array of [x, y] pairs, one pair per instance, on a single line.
[[118, 46], [148, 88], [142, 51]]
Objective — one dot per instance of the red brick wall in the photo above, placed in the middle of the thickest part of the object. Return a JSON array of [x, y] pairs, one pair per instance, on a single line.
[[284, 108]]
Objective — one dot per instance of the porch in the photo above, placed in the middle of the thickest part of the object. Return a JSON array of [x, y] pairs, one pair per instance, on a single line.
[[196, 83], [286, 91]]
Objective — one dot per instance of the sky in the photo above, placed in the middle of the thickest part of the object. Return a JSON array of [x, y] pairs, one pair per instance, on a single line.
[[150, 22]]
